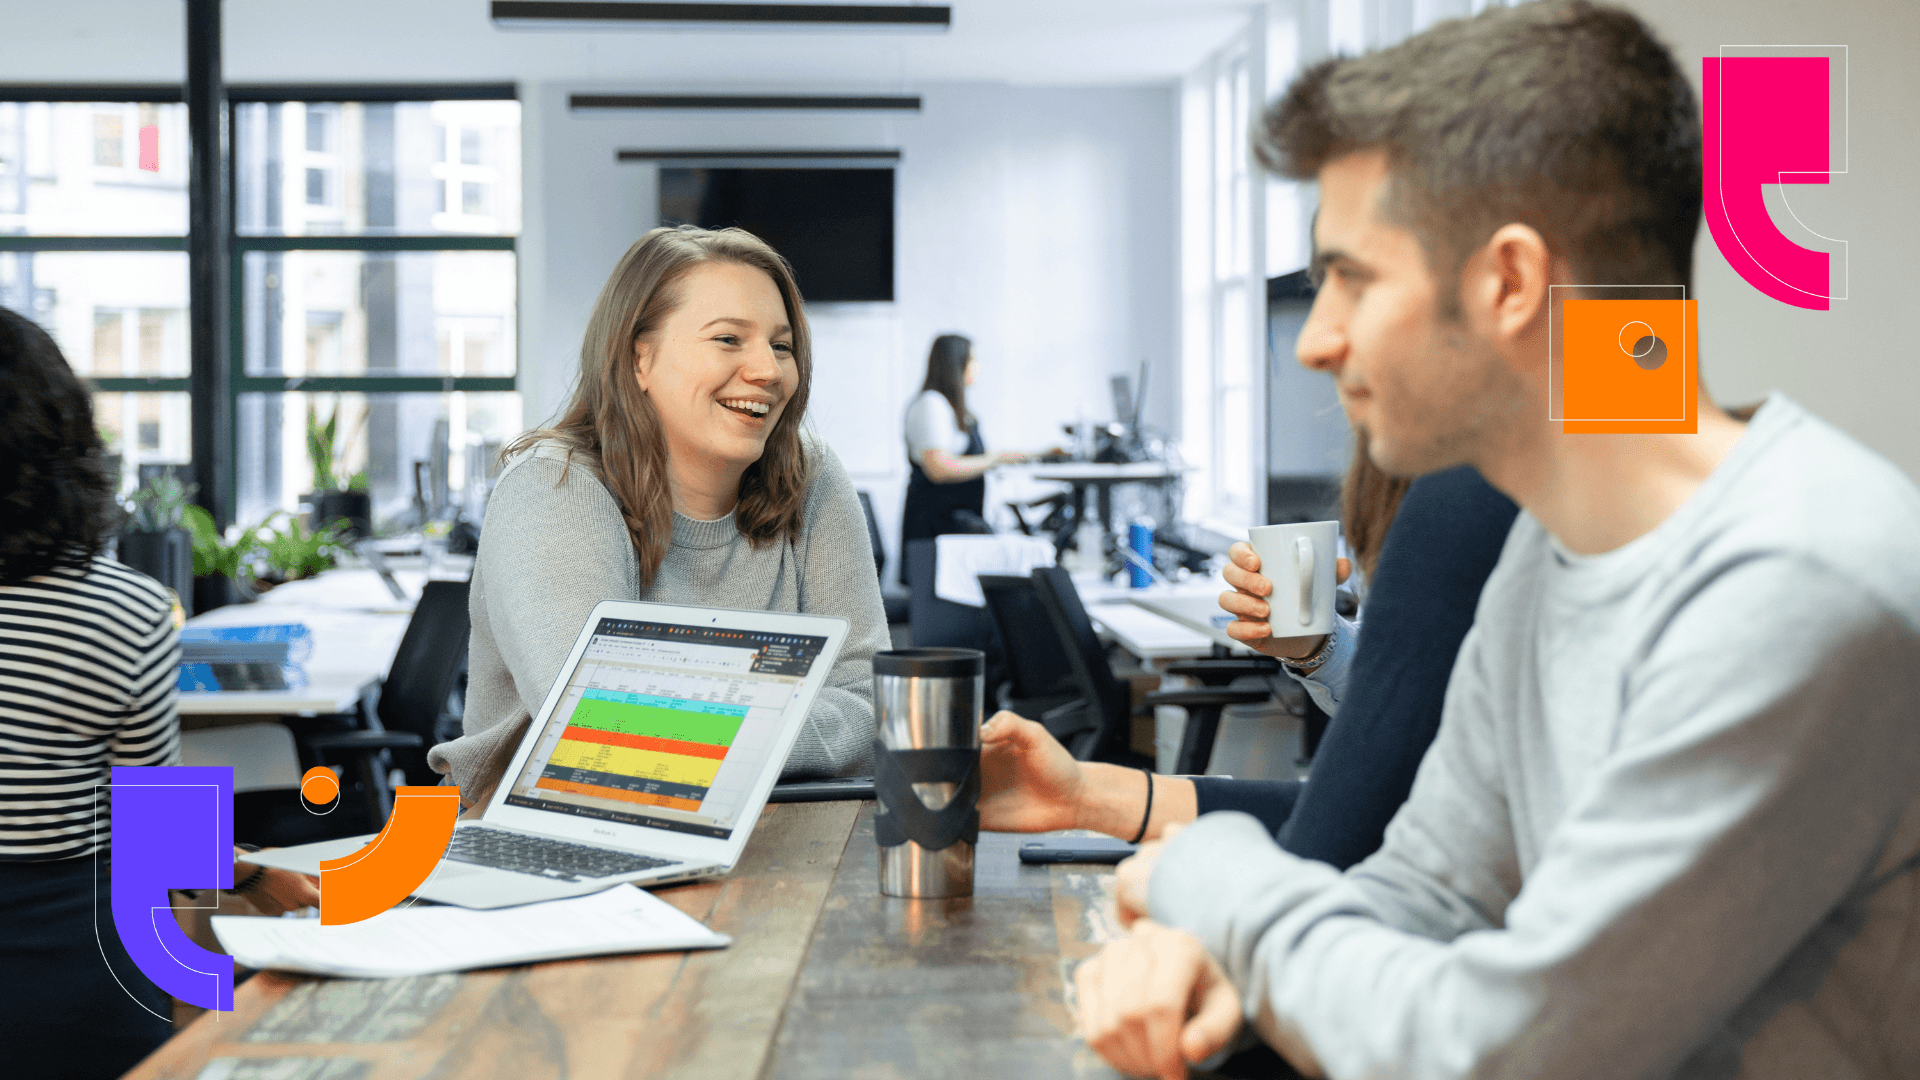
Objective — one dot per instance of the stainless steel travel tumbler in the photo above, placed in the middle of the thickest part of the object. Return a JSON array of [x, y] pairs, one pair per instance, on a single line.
[[926, 769]]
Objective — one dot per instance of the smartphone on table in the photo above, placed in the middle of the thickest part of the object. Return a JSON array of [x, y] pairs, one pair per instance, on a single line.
[[1076, 849]]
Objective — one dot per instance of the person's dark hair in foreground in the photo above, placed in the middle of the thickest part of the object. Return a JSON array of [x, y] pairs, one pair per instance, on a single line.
[[1668, 827], [56, 500], [87, 659]]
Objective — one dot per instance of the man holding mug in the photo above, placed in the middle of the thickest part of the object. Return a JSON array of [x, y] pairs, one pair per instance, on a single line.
[[1669, 826]]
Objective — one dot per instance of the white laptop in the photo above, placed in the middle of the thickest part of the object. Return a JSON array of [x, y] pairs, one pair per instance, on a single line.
[[649, 762]]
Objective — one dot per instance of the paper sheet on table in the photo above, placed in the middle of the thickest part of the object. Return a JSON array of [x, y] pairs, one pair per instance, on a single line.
[[427, 940]]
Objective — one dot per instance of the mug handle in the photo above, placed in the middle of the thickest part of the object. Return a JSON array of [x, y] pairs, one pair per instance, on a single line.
[[1303, 562]]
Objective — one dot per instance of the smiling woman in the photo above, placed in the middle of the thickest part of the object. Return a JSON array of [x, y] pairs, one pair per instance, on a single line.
[[679, 474]]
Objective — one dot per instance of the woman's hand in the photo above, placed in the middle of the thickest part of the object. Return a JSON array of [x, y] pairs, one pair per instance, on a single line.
[[1248, 605], [1011, 457], [1029, 783], [279, 890]]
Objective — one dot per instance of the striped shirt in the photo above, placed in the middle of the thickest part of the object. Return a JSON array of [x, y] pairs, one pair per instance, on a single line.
[[88, 675]]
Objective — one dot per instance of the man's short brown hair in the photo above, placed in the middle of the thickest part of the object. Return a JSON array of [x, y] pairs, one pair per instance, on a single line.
[[1561, 115]]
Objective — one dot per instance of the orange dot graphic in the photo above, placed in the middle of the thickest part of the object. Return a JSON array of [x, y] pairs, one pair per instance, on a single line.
[[319, 786]]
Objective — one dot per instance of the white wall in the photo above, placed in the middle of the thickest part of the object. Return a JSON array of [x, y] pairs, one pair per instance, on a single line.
[[1039, 222], [1856, 364]]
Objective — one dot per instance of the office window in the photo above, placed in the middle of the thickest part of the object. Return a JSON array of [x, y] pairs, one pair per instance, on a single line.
[[109, 141], [145, 429], [442, 447], [376, 280], [378, 312], [78, 169], [1220, 355], [93, 217], [374, 263]]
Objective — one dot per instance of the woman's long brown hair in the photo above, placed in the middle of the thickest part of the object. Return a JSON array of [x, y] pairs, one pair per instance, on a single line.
[[612, 425], [1368, 500], [947, 374]]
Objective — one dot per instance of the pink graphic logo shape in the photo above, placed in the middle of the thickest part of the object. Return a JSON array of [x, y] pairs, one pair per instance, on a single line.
[[1766, 121]]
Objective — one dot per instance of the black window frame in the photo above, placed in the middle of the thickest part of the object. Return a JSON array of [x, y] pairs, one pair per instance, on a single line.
[[239, 244]]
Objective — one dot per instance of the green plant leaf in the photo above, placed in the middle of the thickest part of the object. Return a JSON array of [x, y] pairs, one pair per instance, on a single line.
[[211, 553]]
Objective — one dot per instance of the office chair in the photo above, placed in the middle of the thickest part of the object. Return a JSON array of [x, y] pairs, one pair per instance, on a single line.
[[938, 623], [1040, 682], [894, 604], [413, 700], [1110, 702], [873, 534]]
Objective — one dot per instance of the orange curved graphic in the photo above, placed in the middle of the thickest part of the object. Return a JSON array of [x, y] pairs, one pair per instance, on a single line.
[[369, 881]]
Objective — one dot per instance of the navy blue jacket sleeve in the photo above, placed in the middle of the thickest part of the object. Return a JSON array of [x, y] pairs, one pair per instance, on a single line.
[[1442, 545]]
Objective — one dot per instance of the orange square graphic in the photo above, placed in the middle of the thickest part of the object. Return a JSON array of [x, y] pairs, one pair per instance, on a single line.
[[1628, 366]]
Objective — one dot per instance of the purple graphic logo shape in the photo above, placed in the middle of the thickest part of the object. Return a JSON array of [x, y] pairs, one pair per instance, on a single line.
[[1766, 122], [172, 828]]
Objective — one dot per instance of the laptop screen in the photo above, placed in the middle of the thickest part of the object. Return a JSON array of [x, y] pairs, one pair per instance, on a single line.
[[666, 726]]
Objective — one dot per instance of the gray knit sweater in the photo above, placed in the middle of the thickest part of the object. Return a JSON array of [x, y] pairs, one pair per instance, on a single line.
[[553, 548], [1670, 827]]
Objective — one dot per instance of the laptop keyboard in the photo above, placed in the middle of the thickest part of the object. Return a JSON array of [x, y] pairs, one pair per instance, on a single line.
[[555, 860]]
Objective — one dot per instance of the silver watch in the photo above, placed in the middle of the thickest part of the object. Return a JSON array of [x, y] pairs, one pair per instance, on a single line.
[[1307, 665]]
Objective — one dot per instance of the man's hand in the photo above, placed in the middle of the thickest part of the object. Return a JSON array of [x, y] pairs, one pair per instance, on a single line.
[[280, 890], [1248, 605], [1028, 781], [1135, 873], [1154, 1001]]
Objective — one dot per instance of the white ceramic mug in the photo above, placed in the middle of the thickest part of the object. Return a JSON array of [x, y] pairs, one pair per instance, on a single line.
[[1298, 559]]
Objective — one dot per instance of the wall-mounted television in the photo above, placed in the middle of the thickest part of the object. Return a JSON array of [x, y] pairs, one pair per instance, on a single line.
[[834, 225]]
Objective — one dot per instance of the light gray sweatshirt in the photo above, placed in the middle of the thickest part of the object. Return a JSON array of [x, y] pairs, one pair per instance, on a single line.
[[1669, 826], [552, 549]]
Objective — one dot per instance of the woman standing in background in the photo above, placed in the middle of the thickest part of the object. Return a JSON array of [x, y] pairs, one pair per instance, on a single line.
[[944, 449]]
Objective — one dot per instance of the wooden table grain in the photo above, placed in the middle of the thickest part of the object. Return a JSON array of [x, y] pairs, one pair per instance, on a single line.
[[825, 978], [979, 987], [697, 1014]]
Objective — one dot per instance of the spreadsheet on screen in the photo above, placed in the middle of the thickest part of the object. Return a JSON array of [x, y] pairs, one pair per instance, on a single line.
[[666, 725]]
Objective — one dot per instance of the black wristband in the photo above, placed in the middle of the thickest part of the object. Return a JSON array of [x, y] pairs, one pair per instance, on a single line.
[[1148, 816]]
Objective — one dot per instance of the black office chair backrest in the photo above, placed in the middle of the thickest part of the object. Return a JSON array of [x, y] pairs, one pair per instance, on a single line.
[[1037, 665], [873, 534], [1084, 651], [424, 671]]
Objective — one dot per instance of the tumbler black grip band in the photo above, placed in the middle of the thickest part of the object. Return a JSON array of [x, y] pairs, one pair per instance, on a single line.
[[904, 817]]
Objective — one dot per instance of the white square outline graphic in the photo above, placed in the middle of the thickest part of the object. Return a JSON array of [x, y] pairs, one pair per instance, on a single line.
[[1684, 382]]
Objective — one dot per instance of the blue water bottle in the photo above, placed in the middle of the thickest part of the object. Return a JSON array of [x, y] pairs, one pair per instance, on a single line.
[[1140, 539]]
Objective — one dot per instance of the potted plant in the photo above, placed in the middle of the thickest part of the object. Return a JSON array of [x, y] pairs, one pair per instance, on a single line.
[[335, 497], [293, 551], [153, 541], [221, 573]]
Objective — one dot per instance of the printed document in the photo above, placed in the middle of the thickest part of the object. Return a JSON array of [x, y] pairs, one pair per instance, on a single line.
[[424, 940]]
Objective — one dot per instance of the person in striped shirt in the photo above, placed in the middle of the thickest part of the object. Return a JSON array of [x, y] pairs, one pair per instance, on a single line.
[[88, 656]]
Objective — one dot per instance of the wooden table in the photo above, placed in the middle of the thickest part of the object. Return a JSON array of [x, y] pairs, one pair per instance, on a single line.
[[825, 978]]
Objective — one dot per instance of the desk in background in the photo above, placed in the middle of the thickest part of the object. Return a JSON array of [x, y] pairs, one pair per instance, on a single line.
[[1102, 478], [1163, 622], [825, 978], [356, 624]]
